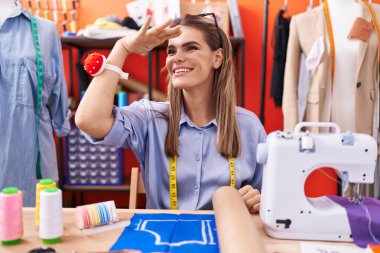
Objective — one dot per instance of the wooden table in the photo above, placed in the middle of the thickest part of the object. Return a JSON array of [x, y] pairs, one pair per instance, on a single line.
[[73, 241]]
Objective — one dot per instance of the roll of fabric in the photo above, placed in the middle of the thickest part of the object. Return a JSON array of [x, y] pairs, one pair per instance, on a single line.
[[236, 229]]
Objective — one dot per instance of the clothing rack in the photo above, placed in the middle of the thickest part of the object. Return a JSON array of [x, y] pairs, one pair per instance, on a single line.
[[264, 62], [370, 190], [264, 54], [264, 58]]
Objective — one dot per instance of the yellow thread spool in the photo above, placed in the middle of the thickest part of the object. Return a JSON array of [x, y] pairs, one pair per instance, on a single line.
[[42, 185]]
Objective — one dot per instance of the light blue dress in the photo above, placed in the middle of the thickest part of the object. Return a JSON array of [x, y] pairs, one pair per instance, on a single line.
[[200, 168], [18, 102]]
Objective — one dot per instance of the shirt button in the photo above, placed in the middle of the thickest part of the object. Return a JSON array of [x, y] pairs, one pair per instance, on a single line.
[[195, 186], [358, 84], [200, 132], [197, 158]]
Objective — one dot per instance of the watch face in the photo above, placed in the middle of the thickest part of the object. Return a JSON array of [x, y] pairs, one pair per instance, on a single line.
[[43, 250]]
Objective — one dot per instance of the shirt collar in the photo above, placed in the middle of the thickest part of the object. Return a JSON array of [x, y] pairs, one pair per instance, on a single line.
[[20, 10], [186, 119]]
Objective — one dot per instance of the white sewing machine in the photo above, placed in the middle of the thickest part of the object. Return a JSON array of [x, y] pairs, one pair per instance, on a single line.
[[289, 159]]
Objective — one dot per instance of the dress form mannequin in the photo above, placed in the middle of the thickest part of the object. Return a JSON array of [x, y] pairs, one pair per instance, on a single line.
[[340, 104], [18, 97], [7, 7]]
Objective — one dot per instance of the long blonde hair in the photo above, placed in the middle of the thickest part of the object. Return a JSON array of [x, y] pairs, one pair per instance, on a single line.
[[224, 93]]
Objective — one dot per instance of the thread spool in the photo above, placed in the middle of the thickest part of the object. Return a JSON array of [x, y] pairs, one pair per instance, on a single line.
[[102, 213], [43, 184], [307, 142], [51, 217], [73, 25], [11, 226], [121, 99]]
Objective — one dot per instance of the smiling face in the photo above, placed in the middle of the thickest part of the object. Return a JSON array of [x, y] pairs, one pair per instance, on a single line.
[[190, 61]]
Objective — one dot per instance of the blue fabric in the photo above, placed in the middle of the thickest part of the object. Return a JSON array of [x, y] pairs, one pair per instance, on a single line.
[[18, 80], [201, 170], [172, 233]]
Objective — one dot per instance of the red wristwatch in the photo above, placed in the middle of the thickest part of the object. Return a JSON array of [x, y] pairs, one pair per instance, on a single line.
[[95, 64]]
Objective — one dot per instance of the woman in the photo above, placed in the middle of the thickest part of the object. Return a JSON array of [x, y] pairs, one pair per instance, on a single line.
[[192, 145]]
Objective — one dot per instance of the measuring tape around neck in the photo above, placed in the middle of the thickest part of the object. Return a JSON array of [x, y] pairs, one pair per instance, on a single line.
[[331, 35], [173, 179], [40, 77]]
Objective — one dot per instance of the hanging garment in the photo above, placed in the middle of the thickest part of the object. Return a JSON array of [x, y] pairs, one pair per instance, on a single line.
[[281, 35], [18, 88], [303, 88], [305, 30], [303, 83]]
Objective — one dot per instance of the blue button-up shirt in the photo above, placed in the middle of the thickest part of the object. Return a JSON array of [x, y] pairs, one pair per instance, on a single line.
[[18, 85], [200, 168]]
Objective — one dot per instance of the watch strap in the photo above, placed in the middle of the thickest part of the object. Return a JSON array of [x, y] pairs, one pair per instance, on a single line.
[[113, 68]]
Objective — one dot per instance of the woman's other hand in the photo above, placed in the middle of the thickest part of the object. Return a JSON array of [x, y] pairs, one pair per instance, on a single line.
[[147, 39], [251, 198]]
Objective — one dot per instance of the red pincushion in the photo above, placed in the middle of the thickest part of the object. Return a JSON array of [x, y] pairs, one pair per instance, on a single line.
[[93, 64]]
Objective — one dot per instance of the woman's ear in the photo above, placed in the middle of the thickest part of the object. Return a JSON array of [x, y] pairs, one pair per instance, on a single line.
[[218, 58]]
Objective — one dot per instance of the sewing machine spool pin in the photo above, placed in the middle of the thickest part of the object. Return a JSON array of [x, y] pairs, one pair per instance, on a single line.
[[307, 143]]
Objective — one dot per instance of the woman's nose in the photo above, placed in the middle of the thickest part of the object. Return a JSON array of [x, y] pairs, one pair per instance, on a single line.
[[178, 57]]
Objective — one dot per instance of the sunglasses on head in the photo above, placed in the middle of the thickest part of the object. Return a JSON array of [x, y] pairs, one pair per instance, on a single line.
[[216, 24]]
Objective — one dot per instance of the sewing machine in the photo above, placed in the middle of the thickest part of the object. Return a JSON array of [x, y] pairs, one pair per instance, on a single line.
[[289, 158]]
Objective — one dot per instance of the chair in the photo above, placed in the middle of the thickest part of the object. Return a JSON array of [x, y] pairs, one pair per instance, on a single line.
[[137, 187]]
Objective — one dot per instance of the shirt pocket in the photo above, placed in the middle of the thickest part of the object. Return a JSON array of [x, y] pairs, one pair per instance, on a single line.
[[26, 93]]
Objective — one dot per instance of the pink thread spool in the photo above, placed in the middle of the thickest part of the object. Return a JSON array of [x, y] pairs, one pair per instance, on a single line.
[[11, 228]]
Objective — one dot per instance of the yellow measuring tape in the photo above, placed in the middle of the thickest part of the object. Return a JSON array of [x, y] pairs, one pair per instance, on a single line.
[[173, 183], [173, 179], [331, 35]]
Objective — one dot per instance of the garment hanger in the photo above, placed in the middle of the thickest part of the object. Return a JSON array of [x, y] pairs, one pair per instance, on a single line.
[[285, 8]]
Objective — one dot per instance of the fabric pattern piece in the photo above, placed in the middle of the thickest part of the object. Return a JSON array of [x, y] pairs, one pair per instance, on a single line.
[[170, 233], [364, 219]]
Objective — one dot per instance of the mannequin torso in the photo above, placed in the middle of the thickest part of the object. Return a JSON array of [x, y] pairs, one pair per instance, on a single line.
[[7, 7], [340, 104]]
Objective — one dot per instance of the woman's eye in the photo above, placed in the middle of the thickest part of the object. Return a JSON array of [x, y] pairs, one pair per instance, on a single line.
[[170, 52], [192, 48]]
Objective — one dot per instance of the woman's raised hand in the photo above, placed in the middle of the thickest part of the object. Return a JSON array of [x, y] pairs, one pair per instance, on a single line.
[[146, 39]]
